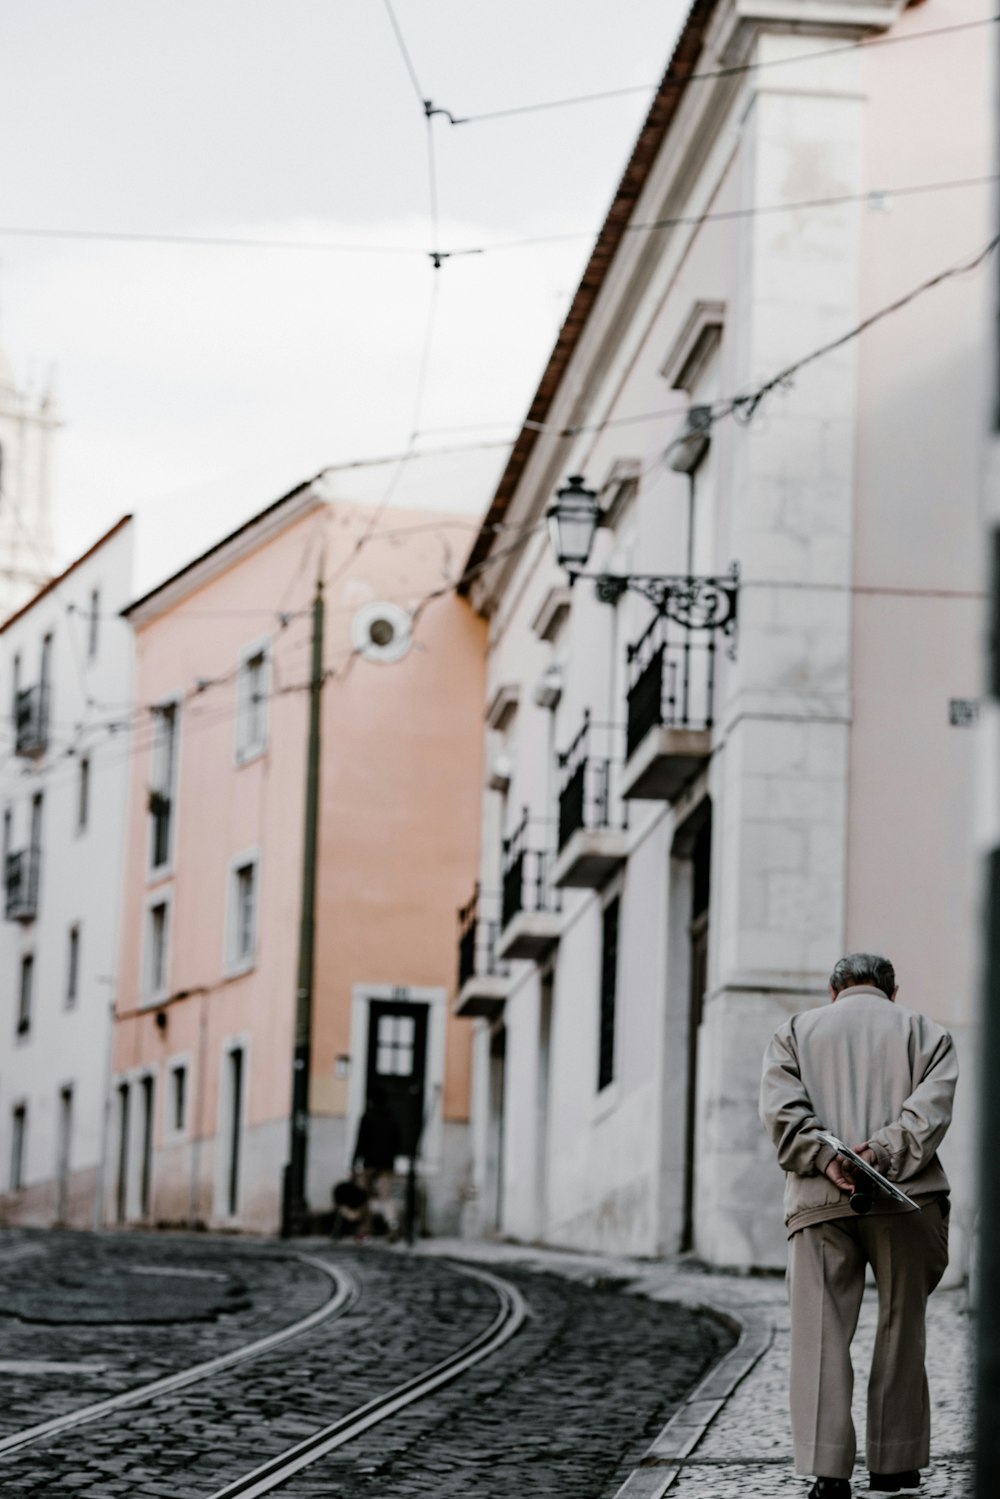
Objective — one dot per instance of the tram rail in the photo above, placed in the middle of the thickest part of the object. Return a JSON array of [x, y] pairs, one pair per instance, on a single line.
[[345, 1294]]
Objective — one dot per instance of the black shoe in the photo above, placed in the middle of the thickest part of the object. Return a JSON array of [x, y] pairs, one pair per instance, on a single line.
[[894, 1483], [830, 1488]]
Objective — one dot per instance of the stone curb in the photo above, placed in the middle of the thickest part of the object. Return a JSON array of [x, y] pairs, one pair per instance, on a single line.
[[666, 1455]]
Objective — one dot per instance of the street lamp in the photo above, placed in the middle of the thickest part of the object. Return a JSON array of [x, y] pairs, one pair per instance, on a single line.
[[694, 602], [573, 518]]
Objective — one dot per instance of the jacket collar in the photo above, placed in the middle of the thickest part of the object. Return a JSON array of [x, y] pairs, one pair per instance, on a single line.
[[855, 991]]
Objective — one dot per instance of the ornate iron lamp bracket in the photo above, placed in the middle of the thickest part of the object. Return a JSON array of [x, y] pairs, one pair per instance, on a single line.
[[694, 603]]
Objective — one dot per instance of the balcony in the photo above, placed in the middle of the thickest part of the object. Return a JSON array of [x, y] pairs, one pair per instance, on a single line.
[[21, 884], [592, 817], [530, 904], [31, 721], [482, 979], [671, 692]]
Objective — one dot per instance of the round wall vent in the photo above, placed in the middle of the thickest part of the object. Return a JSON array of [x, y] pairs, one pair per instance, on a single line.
[[382, 632]]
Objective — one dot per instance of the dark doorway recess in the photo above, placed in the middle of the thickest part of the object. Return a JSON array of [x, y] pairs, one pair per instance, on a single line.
[[701, 859], [397, 1064]]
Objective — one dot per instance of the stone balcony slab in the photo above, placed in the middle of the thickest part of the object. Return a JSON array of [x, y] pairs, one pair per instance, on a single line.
[[482, 997], [591, 856], [663, 763], [529, 934]]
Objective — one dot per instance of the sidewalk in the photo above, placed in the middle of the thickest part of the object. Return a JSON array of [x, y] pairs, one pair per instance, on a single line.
[[732, 1437]]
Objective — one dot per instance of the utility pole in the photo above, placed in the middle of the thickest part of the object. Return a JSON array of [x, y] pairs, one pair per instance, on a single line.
[[988, 1308], [294, 1206]]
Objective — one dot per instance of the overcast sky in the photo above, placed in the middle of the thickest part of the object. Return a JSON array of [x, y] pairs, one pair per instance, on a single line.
[[196, 384]]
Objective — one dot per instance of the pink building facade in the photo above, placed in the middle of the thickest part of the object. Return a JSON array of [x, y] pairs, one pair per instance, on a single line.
[[203, 1056]]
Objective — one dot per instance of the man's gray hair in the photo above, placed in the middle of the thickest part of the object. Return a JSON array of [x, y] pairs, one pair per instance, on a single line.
[[864, 968]]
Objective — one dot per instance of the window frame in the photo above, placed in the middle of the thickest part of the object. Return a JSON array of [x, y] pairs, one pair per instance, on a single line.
[[172, 1132], [246, 750], [83, 791], [165, 868], [25, 1012], [18, 1146], [72, 992], [150, 997], [93, 618], [235, 964]]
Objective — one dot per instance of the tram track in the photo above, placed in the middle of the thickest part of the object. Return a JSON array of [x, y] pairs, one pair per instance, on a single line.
[[280, 1467], [277, 1471], [346, 1292]]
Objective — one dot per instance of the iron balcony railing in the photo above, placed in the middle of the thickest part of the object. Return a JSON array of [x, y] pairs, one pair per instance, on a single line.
[[477, 941], [31, 720], [671, 667], [588, 792], [21, 872], [527, 872]]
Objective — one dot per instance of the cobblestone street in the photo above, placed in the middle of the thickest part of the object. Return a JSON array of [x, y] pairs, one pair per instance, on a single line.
[[566, 1408]]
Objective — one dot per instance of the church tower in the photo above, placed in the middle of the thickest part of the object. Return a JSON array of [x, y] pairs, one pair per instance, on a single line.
[[26, 426]]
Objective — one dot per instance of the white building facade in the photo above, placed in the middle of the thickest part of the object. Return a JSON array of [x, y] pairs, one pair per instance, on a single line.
[[703, 789], [65, 687], [27, 422]]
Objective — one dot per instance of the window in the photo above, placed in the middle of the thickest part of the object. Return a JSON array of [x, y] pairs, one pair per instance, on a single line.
[[178, 1099], [156, 950], [242, 934], [251, 707], [609, 980], [17, 1148], [161, 793], [93, 622], [235, 1108], [73, 965], [36, 824], [25, 994], [83, 795], [64, 1146], [395, 1045], [147, 1090]]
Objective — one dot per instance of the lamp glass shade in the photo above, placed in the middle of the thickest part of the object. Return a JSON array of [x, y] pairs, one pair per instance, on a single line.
[[573, 519]]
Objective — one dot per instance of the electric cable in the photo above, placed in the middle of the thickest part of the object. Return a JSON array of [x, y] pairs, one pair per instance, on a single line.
[[728, 71], [881, 196]]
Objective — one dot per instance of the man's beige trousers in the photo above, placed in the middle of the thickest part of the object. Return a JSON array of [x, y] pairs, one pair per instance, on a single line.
[[908, 1253]]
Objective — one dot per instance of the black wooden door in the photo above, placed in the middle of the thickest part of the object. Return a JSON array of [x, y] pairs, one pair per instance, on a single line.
[[397, 1060]]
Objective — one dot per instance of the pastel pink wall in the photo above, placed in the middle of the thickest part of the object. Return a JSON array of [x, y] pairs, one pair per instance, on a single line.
[[401, 784], [222, 810]]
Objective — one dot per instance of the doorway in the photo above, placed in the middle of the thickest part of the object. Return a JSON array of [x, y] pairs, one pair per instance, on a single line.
[[701, 856], [146, 1176], [494, 1184], [397, 1067], [234, 1084], [542, 1108], [121, 1193], [63, 1146]]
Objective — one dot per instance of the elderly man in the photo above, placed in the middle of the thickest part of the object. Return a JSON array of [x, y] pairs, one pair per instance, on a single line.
[[880, 1078]]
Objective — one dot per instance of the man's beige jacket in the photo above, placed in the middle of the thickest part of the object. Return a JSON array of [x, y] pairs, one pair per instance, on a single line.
[[866, 1070]]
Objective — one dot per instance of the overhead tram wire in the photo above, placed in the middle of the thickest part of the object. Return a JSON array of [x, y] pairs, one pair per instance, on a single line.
[[742, 407], [724, 407], [728, 71], [439, 255], [730, 215]]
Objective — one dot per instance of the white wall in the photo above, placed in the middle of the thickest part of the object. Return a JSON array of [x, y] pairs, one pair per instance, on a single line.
[[841, 797], [66, 1045]]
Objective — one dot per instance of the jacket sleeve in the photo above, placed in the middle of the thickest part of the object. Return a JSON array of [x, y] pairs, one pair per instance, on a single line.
[[787, 1112], [905, 1146]]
